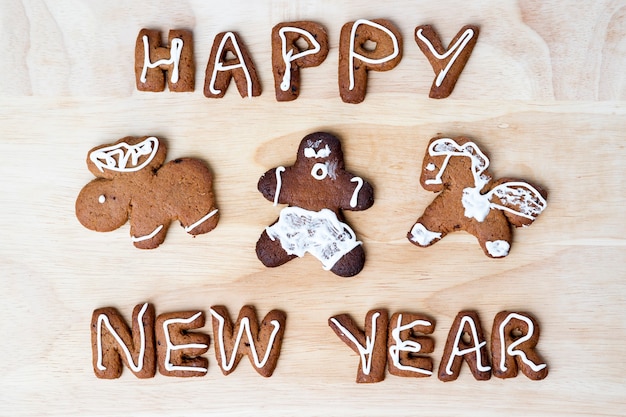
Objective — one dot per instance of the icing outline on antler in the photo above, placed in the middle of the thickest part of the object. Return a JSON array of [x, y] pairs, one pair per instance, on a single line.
[[105, 157]]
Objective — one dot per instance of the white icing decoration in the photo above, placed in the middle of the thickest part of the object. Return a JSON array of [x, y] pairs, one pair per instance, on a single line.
[[169, 346], [102, 199], [289, 57], [309, 152], [319, 171], [219, 66], [244, 325], [498, 248], [457, 352], [430, 167], [199, 222], [457, 48], [355, 194], [105, 158], [511, 349], [406, 345], [102, 318], [365, 352], [422, 235], [319, 233], [519, 197], [146, 237], [175, 51], [353, 55], [279, 182]]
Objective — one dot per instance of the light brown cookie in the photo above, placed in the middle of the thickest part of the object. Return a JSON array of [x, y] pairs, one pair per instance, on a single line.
[[261, 342], [179, 349], [152, 60], [370, 345], [317, 189], [230, 59], [366, 45], [470, 199], [447, 63], [466, 342], [288, 57], [113, 344], [134, 185], [407, 346], [513, 340]]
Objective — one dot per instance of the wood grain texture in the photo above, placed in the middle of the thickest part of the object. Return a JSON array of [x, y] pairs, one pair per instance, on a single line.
[[544, 93]]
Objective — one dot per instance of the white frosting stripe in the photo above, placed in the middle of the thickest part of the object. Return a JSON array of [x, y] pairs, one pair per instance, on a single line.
[[353, 55], [279, 183], [289, 56], [244, 326], [406, 345], [219, 66], [355, 195], [365, 352], [170, 346], [103, 319], [512, 348], [456, 352], [455, 49], [175, 51], [199, 222]]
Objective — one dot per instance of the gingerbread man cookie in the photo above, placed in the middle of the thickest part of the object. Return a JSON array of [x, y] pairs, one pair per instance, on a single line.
[[317, 188], [133, 185], [470, 199]]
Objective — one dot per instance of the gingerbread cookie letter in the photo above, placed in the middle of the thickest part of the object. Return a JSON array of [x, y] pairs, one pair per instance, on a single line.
[[178, 349], [513, 340], [261, 342], [317, 189], [152, 60], [356, 57], [447, 63], [222, 67], [370, 345], [113, 343], [466, 342], [406, 348], [289, 55], [131, 177], [469, 199]]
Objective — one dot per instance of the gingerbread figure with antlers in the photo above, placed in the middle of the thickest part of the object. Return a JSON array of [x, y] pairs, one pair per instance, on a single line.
[[470, 199], [317, 188]]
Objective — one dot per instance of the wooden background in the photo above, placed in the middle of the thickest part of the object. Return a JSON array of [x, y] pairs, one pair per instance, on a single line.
[[544, 93]]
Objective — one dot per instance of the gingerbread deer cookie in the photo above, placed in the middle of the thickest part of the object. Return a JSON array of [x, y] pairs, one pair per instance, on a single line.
[[470, 199], [133, 185], [317, 188]]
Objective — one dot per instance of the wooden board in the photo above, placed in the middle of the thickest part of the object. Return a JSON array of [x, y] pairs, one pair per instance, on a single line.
[[544, 92]]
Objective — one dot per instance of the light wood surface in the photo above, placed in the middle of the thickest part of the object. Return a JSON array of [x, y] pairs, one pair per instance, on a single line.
[[544, 93]]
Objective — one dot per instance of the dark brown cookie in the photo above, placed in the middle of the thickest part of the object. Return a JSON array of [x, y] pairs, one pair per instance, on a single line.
[[370, 345], [288, 56], [178, 349], [230, 59], [366, 45], [447, 63], [152, 60], [261, 342], [513, 340], [469, 199], [317, 188], [113, 344], [466, 342], [407, 345], [133, 185]]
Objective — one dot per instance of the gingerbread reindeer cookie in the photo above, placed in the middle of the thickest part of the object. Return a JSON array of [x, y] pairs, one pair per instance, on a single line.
[[470, 199], [133, 185], [317, 188]]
